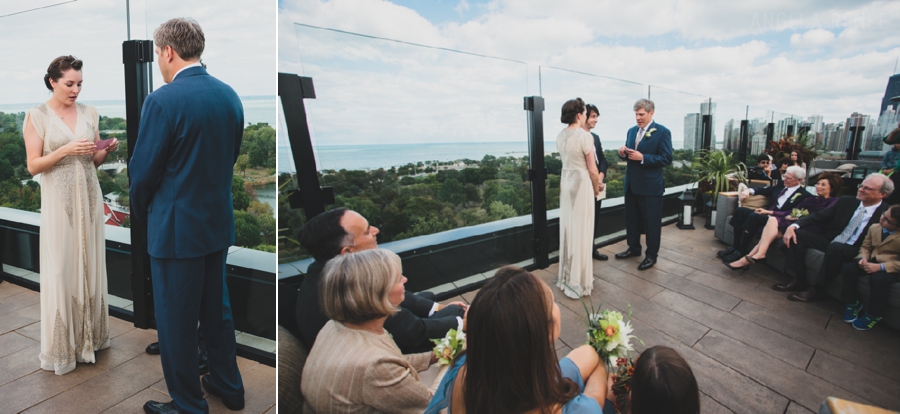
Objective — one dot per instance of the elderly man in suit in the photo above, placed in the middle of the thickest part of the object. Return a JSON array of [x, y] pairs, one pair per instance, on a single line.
[[746, 222], [188, 141], [879, 257], [341, 231], [648, 148], [846, 224], [602, 166]]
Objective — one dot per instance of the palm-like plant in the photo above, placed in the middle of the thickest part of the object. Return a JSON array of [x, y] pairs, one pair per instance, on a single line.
[[714, 167]]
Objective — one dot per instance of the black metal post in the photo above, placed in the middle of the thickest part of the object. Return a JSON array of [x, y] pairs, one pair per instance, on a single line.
[[790, 130], [137, 55], [537, 174], [743, 147], [854, 140], [292, 89], [706, 121], [770, 134]]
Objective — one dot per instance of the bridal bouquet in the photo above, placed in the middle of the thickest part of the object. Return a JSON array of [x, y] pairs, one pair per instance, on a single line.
[[797, 212], [609, 333], [449, 346], [621, 383]]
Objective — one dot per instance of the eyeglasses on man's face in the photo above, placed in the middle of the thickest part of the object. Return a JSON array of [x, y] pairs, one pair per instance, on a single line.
[[867, 188], [885, 218]]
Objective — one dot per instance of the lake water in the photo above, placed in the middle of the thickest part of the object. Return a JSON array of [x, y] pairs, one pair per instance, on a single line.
[[266, 194], [256, 108], [362, 157]]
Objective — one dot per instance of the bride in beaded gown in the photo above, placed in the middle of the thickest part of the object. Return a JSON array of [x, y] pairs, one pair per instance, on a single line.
[[59, 139], [579, 184]]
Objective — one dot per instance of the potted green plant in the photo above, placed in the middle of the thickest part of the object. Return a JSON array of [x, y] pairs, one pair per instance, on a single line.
[[714, 169]]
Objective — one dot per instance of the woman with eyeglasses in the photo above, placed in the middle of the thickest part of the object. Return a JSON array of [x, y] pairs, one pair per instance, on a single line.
[[827, 188], [60, 137], [879, 257]]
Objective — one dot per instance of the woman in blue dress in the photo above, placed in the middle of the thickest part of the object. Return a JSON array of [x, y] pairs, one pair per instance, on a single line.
[[510, 365]]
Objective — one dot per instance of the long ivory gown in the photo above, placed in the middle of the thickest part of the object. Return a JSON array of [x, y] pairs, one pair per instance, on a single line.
[[576, 213], [74, 312]]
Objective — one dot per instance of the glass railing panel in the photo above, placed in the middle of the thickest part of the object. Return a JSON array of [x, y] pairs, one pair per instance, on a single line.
[[614, 99], [727, 117], [758, 120], [420, 140]]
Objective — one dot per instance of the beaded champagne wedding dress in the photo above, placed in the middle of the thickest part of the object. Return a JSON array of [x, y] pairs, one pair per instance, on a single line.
[[74, 302]]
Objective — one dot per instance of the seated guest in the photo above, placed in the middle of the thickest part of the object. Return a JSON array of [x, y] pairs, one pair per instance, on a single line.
[[510, 364], [781, 167], [355, 366], [746, 222], [891, 158], [845, 225], [827, 188], [879, 257], [763, 169], [663, 382], [342, 231], [797, 160]]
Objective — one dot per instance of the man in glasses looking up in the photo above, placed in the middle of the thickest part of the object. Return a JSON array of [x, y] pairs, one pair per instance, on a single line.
[[845, 224]]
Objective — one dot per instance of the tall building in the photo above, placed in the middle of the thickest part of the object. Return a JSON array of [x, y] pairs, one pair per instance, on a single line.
[[758, 135], [815, 124], [693, 140], [731, 137], [892, 90]]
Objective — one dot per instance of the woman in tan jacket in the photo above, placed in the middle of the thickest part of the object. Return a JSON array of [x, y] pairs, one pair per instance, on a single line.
[[355, 366]]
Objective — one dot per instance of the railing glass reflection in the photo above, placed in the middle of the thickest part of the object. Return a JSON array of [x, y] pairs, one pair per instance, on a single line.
[[419, 140]]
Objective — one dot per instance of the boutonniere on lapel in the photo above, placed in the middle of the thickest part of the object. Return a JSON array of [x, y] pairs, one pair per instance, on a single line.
[[794, 197], [647, 135]]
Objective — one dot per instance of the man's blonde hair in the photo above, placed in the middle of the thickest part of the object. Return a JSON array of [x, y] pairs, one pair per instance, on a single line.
[[356, 287], [184, 35]]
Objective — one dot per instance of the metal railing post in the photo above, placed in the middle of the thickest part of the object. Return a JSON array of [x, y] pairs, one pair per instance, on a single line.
[[537, 174]]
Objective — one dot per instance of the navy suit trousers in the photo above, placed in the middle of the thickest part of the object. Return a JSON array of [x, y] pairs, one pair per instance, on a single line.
[[643, 214], [186, 291]]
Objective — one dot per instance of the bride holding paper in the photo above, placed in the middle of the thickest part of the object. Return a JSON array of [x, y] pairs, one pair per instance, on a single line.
[[579, 187]]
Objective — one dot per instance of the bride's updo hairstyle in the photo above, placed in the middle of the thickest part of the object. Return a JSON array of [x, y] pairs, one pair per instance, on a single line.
[[60, 65], [570, 110]]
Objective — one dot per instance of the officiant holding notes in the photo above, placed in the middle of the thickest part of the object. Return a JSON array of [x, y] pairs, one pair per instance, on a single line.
[[602, 165]]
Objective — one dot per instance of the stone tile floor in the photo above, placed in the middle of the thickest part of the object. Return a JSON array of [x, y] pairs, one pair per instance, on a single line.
[[123, 378], [751, 349]]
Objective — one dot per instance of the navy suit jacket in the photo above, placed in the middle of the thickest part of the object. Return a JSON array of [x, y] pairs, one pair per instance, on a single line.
[[647, 179], [183, 162], [773, 191], [602, 164]]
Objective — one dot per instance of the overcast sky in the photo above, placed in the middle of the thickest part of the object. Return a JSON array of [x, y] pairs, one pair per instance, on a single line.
[[799, 57], [240, 43]]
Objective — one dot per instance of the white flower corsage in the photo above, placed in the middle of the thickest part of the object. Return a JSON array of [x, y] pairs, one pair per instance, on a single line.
[[794, 198], [647, 135]]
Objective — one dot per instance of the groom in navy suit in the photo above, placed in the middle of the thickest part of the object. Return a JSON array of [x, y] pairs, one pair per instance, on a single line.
[[648, 148], [188, 141]]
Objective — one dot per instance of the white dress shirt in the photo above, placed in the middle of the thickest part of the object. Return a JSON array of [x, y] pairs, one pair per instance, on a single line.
[[784, 197], [188, 66]]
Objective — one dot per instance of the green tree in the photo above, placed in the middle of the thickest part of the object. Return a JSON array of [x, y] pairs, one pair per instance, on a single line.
[[246, 229], [242, 163], [501, 211], [239, 197], [6, 170], [452, 192]]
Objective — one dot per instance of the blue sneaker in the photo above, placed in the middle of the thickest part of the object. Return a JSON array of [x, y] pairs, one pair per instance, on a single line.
[[851, 312], [865, 322]]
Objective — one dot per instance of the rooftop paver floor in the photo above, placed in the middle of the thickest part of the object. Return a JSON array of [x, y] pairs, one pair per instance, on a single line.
[[751, 350], [122, 379]]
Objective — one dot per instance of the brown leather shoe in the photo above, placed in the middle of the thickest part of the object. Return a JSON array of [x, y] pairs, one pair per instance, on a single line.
[[792, 286], [809, 295]]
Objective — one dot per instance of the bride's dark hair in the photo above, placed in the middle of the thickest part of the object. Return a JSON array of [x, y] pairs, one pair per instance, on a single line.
[[60, 65]]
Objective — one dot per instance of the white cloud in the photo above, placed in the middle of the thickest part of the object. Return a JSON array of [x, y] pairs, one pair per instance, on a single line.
[[839, 58], [812, 39], [463, 6], [240, 44]]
